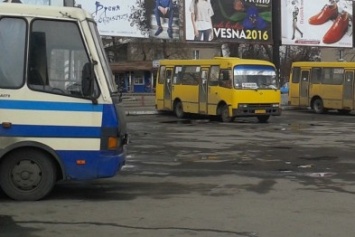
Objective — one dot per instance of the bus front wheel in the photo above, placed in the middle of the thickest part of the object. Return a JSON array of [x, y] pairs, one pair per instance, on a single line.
[[27, 175], [224, 114], [179, 110], [318, 106]]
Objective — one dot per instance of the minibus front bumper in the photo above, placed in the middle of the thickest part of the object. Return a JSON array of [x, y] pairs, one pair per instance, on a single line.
[[248, 110]]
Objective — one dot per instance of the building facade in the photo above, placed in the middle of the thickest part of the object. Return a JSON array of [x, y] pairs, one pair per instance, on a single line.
[[136, 67]]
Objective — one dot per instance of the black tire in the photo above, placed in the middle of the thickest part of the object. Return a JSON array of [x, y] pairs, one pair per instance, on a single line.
[[224, 114], [263, 118], [27, 175], [318, 106], [179, 110]]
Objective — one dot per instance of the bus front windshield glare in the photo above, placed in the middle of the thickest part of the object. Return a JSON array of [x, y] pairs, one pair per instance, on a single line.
[[254, 77]]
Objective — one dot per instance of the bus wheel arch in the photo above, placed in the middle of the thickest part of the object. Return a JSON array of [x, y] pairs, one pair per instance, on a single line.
[[223, 112], [178, 109], [317, 105], [28, 173]]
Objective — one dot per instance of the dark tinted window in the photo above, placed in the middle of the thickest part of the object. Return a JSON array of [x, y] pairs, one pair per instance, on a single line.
[[12, 51]]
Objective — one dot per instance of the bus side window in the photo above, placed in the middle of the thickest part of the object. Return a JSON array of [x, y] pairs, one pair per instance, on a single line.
[[225, 79], [12, 48], [161, 75], [214, 74], [296, 75], [168, 77], [316, 75], [177, 78]]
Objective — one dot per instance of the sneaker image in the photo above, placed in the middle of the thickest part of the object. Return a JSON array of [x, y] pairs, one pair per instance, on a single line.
[[158, 32], [338, 29], [329, 12], [170, 33]]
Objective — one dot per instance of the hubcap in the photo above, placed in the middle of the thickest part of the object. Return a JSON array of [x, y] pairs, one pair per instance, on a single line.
[[26, 175]]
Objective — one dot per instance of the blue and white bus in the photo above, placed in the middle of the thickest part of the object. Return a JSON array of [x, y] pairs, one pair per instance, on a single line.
[[60, 114]]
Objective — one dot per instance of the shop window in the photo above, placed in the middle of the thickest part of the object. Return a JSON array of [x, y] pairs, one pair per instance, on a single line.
[[138, 78]]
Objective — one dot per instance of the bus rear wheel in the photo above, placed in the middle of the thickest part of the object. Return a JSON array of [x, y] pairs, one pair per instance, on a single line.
[[179, 110], [318, 106], [27, 175], [263, 118]]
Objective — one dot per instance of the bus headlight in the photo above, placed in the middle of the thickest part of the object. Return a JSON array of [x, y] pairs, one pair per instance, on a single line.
[[242, 106], [275, 105]]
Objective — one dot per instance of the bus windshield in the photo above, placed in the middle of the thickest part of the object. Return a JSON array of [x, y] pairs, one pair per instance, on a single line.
[[254, 77], [103, 58]]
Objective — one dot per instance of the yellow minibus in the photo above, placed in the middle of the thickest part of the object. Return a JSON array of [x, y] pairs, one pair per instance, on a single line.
[[227, 87]]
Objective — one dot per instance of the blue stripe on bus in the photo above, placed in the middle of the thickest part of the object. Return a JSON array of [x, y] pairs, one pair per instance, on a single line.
[[109, 116], [50, 131], [48, 105]]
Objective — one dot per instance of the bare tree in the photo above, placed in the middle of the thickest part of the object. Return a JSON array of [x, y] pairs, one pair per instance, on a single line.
[[140, 17], [293, 54]]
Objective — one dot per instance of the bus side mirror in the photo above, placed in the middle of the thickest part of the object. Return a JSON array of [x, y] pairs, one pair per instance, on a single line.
[[86, 80]]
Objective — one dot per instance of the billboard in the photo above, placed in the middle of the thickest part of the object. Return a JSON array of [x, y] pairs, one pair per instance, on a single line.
[[113, 17], [138, 19], [242, 21], [317, 23]]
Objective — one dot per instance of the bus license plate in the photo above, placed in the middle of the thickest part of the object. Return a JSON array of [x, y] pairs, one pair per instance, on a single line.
[[260, 111]]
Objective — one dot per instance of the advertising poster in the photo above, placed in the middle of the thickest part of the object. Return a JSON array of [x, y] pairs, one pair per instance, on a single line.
[[242, 21], [117, 17], [317, 23], [163, 17]]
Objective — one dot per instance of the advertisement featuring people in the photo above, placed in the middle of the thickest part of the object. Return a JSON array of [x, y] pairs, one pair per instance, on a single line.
[[241, 21], [317, 23], [164, 18], [114, 17]]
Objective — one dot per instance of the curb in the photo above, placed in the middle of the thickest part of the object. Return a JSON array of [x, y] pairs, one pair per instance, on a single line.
[[141, 112]]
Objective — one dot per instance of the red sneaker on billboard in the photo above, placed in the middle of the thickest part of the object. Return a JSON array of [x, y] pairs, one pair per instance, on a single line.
[[329, 12], [338, 29]]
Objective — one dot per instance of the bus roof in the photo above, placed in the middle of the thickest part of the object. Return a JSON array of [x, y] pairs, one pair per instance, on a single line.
[[222, 61], [306, 64], [18, 9]]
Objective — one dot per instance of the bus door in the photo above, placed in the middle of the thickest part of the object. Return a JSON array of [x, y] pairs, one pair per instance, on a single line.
[[203, 91], [212, 90], [304, 88], [348, 90], [167, 89]]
